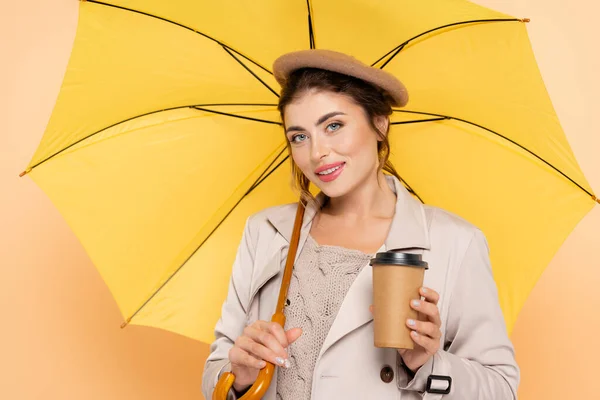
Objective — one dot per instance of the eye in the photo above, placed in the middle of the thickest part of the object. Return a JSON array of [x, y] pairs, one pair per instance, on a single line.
[[335, 124], [301, 135]]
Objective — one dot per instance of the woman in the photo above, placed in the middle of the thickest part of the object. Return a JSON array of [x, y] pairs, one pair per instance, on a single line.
[[335, 112]]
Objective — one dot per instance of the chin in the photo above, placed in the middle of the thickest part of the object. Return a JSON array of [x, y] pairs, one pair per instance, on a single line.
[[334, 192], [333, 189]]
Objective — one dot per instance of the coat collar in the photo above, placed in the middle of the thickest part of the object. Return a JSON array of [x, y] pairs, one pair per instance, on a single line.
[[408, 228]]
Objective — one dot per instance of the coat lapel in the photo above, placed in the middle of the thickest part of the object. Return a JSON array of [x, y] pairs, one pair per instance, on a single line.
[[408, 230]]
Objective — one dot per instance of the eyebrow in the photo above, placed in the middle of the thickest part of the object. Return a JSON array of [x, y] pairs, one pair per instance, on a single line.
[[319, 121]]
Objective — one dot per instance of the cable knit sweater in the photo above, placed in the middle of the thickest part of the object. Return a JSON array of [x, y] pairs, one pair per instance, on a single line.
[[320, 280]]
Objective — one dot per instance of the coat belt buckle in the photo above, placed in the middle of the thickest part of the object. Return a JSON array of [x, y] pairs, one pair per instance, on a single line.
[[435, 379]]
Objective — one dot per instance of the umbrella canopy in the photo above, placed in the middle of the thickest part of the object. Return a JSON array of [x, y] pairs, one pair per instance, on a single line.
[[165, 137]]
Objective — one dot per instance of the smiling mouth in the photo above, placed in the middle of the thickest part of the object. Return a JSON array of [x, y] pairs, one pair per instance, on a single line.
[[330, 170]]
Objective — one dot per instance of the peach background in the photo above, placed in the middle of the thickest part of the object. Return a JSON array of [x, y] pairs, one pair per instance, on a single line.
[[61, 336]]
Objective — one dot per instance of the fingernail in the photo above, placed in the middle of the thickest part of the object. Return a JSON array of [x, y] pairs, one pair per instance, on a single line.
[[411, 322], [424, 290], [262, 364], [284, 363], [414, 333], [416, 303]]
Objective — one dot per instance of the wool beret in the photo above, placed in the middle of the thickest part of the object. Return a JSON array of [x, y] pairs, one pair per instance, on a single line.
[[341, 63]]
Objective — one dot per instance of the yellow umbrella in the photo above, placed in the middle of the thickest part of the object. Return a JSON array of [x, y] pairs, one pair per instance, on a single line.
[[165, 137]]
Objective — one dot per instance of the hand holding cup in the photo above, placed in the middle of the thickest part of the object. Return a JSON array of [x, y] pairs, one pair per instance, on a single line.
[[425, 330]]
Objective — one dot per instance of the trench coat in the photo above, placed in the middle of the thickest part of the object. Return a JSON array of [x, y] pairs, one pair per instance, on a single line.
[[475, 351]]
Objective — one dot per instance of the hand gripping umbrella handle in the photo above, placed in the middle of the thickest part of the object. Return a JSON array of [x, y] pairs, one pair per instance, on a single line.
[[263, 381]]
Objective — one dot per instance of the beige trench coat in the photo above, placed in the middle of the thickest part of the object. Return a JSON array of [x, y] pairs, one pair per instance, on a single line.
[[475, 351]]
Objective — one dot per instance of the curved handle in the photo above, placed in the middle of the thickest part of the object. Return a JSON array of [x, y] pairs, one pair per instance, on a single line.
[[260, 385], [256, 392]]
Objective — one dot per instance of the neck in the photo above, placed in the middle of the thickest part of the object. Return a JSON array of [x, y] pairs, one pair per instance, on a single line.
[[372, 198]]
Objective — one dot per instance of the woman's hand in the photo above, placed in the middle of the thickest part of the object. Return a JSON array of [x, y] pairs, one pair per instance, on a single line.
[[261, 341], [425, 331]]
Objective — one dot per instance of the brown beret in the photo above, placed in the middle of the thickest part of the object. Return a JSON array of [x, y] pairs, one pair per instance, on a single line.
[[342, 63]]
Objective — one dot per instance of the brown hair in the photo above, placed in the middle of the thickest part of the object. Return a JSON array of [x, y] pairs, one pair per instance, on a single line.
[[373, 100]]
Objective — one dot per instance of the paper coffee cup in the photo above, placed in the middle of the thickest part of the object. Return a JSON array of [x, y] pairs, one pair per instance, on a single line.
[[397, 278]]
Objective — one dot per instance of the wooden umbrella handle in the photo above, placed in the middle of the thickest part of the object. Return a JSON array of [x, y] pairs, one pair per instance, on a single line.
[[263, 381]]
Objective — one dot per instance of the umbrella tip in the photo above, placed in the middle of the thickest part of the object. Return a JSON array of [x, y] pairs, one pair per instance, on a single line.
[[124, 324], [525, 20], [28, 170]]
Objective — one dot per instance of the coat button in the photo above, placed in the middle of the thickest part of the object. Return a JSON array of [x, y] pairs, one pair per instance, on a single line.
[[387, 374]]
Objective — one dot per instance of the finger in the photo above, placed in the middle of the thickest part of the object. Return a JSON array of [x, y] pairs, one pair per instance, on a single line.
[[430, 310], [266, 339], [430, 295], [293, 334], [371, 308], [279, 333], [425, 328], [274, 329], [430, 345], [241, 357], [260, 351]]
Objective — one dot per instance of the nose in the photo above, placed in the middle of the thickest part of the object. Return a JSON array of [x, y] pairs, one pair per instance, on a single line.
[[319, 149]]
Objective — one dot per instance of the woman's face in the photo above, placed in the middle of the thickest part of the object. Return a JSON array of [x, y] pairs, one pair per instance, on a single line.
[[332, 141]]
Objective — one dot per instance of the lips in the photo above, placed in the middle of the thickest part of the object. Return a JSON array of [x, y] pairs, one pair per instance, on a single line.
[[327, 166], [333, 171]]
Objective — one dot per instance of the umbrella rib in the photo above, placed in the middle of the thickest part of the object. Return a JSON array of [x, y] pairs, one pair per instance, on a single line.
[[260, 180], [251, 72], [410, 189], [419, 120], [183, 26], [237, 116], [311, 30], [197, 107], [254, 185], [400, 47], [497, 134]]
